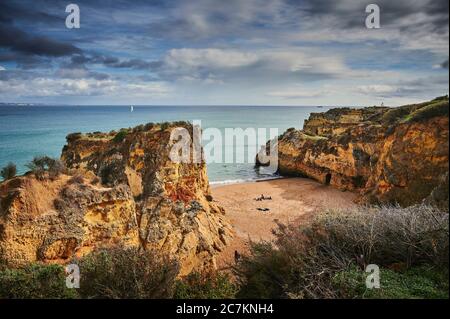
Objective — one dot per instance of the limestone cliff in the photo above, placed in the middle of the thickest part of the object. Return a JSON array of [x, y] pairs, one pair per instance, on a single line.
[[131, 194], [396, 155]]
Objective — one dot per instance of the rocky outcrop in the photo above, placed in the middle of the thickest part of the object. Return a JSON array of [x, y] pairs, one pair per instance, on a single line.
[[395, 155], [54, 220], [130, 193]]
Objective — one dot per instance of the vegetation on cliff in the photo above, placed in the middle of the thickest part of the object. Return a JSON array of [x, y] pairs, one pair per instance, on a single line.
[[44, 166], [9, 171], [327, 257], [115, 273], [112, 189]]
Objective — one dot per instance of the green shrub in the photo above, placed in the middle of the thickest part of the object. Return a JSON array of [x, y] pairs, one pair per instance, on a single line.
[[73, 137], [9, 171], [35, 281], [303, 261], [211, 285], [165, 126], [440, 98], [109, 173], [393, 115], [439, 108], [127, 273], [416, 112], [264, 273], [119, 137], [418, 282]]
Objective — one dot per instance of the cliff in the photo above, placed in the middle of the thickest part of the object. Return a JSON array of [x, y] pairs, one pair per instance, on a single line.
[[126, 191], [388, 155]]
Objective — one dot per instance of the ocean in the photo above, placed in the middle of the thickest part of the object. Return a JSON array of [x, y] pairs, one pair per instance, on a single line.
[[28, 131]]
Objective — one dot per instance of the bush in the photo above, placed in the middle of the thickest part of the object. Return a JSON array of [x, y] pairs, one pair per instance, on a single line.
[[77, 179], [149, 126], [393, 115], [127, 273], [439, 108], [303, 261], [212, 285], [56, 168], [106, 174], [73, 137], [42, 164], [165, 126], [9, 171], [416, 112], [418, 282], [35, 281], [119, 137], [95, 181]]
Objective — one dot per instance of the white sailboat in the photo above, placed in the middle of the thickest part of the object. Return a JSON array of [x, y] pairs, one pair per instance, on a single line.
[[131, 108]]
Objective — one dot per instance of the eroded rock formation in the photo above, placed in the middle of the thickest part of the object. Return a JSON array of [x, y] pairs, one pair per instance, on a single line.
[[395, 155], [126, 192]]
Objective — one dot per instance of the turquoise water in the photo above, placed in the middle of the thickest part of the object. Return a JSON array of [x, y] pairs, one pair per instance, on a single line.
[[27, 131]]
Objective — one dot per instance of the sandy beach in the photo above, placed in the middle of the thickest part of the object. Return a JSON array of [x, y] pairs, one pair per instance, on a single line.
[[292, 200]]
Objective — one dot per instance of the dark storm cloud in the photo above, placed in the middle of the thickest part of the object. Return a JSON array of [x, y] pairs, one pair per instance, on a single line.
[[17, 40]]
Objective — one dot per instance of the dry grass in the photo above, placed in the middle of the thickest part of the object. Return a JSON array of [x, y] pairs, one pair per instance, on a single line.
[[303, 261]]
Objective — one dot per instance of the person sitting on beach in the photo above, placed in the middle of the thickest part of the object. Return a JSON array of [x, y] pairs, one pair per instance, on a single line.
[[262, 197]]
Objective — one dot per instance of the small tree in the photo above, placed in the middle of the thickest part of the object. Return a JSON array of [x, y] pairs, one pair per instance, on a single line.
[[9, 171], [41, 164], [56, 168], [119, 137], [127, 273]]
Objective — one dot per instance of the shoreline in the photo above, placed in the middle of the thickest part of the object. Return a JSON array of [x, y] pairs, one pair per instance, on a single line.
[[216, 184]]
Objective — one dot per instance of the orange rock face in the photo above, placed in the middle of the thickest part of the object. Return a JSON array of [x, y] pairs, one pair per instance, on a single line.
[[395, 155], [142, 199]]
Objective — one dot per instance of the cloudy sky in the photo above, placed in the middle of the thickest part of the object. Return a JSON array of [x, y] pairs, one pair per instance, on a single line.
[[242, 52]]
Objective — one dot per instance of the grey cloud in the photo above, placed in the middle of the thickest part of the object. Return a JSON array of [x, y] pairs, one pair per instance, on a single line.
[[265, 66], [80, 60], [18, 41], [137, 64], [7, 75], [13, 11], [80, 73], [421, 86], [351, 13], [25, 61]]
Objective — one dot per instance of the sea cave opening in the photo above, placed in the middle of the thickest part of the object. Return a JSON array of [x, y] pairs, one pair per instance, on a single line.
[[328, 179]]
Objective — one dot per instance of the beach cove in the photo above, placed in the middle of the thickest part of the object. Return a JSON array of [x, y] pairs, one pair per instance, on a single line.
[[293, 200]]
